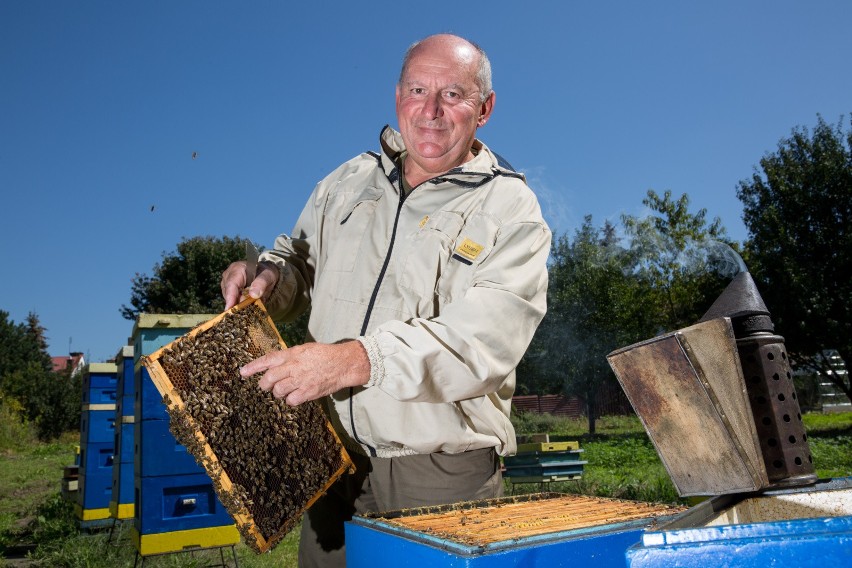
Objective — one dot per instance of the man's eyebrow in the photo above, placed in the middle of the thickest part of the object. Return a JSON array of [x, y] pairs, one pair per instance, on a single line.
[[456, 87], [451, 86]]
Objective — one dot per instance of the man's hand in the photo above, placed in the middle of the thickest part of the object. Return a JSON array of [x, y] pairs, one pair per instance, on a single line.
[[234, 283], [311, 371]]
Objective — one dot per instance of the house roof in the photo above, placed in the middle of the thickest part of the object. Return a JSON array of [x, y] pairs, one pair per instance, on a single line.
[[65, 362]]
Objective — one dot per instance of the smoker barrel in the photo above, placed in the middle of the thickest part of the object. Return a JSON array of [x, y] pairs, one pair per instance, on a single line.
[[769, 382]]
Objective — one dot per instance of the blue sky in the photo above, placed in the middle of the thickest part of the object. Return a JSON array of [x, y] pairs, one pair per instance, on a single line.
[[103, 103]]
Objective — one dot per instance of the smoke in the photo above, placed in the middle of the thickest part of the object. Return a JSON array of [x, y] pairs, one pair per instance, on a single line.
[[724, 260], [553, 201], [693, 256]]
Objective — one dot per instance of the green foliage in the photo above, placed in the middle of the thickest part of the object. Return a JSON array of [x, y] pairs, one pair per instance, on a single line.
[[623, 463], [32, 514], [684, 262], [21, 345], [796, 208], [48, 400], [16, 432], [602, 296], [595, 305], [186, 281]]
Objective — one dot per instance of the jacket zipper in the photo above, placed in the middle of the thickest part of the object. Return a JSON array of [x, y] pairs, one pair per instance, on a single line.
[[372, 302]]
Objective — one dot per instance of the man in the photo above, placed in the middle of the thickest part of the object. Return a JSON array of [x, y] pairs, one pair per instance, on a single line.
[[425, 270]]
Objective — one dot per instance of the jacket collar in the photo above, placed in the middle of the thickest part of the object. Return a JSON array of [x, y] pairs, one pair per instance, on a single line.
[[484, 165]]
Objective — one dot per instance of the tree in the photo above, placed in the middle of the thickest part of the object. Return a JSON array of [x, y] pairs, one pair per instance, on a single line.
[[797, 208], [188, 282], [49, 400], [595, 304], [602, 296], [680, 257]]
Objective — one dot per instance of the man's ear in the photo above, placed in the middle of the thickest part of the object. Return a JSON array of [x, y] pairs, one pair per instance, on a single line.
[[485, 110]]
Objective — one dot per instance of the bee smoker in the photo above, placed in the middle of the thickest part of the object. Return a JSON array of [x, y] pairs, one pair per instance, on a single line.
[[718, 401], [769, 383]]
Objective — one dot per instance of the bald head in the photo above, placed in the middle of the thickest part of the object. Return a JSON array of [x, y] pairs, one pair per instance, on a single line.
[[465, 52]]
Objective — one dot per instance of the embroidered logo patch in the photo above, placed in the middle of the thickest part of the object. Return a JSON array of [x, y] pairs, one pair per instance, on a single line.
[[469, 249], [424, 220]]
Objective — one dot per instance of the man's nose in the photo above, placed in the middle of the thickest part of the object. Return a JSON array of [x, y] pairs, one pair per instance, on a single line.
[[432, 106]]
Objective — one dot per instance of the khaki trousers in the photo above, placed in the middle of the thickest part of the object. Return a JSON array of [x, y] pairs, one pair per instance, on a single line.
[[387, 484]]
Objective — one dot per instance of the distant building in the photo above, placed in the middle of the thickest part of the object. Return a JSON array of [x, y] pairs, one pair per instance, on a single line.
[[71, 364]]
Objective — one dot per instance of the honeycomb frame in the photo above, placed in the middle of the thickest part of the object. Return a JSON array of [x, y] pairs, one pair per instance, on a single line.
[[285, 470]]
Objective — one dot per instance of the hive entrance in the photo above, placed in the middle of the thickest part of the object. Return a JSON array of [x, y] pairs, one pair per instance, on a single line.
[[268, 461]]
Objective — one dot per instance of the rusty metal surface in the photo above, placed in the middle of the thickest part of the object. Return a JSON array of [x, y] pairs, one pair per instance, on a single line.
[[688, 390], [776, 410]]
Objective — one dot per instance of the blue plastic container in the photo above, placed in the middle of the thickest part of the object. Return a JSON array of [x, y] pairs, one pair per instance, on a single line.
[[804, 527], [126, 387], [97, 426], [96, 457], [94, 489], [157, 453], [376, 541], [177, 502], [100, 386], [175, 507], [124, 441], [148, 402]]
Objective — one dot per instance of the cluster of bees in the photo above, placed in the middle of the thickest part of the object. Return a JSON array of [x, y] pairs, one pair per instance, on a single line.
[[276, 458]]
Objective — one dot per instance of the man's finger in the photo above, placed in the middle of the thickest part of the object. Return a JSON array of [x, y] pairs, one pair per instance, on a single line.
[[264, 282], [264, 363], [233, 282]]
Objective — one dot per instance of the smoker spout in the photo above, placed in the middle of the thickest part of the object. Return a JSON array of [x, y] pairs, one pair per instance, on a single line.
[[741, 302]]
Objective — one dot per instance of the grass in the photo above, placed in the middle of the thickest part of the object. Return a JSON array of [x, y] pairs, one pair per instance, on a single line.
[[621, 463]]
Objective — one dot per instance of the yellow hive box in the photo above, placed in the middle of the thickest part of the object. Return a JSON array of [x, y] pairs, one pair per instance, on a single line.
[[548, 446]]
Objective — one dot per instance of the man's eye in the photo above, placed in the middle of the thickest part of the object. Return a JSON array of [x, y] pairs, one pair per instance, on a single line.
[[452, 95], [417, 91]]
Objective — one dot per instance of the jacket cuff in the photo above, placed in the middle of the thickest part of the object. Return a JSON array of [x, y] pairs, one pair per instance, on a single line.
[[377, 365]]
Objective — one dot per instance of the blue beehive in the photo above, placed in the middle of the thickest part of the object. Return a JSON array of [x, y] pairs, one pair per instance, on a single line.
[[126, 387], [121, 498], [802, 527], [175, 505], [97, 439], [158, 453], [531, 530]]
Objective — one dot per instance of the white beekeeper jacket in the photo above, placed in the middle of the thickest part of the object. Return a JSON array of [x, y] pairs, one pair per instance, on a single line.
[[444, 287]]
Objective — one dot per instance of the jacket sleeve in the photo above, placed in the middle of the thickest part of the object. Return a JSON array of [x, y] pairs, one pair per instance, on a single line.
[[295, 257], [476, 342]]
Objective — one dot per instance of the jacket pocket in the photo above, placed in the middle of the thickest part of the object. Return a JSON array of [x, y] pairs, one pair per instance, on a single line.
[[471, 247], [348, 219], [428, 251]]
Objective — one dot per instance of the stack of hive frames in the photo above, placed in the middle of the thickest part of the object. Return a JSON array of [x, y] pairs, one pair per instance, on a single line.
[[483, 523], [268, 461]]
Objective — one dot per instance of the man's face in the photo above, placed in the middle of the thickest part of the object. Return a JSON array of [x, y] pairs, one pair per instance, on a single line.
[[439, 107]]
